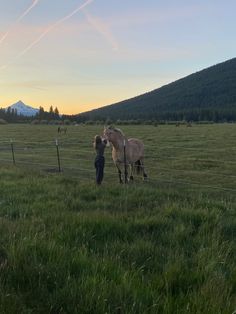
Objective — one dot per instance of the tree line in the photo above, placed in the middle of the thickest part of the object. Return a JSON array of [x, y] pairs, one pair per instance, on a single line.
[[53, 116]]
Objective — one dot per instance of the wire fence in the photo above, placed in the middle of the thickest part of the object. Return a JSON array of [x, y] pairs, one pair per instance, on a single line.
[[62, 157]]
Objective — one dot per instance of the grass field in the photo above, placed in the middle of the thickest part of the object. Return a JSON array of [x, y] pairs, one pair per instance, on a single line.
[[162, 246]]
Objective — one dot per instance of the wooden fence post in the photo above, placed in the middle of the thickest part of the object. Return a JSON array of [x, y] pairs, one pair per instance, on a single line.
[[58, 156], [13, 154], [125, 163]]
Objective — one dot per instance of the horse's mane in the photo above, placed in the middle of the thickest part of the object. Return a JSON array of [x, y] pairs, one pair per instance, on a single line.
[[116, 130]]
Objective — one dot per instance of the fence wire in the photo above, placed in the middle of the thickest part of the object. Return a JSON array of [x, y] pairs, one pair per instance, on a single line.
[[42, 154]]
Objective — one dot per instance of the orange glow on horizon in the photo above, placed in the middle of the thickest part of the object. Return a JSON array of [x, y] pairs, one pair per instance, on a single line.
[[72, 109]]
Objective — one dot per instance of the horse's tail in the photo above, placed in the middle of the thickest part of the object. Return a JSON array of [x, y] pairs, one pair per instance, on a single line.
[[138, 167]]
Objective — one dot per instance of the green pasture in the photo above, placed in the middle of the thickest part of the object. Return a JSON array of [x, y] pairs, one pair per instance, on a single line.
[[204, 154], [162, 246]]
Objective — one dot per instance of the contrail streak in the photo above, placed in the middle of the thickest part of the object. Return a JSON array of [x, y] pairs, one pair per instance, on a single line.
[[4, 37], [34, 3], [37, 40]]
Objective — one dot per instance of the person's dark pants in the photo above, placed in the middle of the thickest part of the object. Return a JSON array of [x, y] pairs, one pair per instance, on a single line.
[[99, 165]]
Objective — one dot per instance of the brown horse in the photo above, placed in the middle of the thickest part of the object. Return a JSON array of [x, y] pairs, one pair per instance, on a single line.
[[125, 152]]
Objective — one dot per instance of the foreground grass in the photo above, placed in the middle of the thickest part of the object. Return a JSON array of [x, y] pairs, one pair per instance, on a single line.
[[70, 247]]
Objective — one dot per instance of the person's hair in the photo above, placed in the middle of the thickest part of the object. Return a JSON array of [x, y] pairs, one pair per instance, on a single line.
[[97, 140]]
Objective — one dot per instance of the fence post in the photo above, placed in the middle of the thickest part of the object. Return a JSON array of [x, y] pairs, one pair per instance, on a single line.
[[125, 164], [58, 156], [13, 154]]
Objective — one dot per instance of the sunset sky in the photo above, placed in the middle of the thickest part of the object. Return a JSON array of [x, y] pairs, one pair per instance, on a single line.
[[78, 54]]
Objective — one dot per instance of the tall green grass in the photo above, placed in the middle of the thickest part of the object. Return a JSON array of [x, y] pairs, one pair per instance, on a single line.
[[69, 247]]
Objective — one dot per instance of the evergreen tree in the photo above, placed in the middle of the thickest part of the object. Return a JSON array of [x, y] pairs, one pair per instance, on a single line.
[[56, 112]]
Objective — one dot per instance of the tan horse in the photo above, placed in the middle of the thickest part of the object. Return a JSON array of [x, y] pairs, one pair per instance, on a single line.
[[125, 152]]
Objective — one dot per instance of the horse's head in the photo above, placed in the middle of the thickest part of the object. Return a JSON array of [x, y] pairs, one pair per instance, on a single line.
[[108, 133], [113, 135]]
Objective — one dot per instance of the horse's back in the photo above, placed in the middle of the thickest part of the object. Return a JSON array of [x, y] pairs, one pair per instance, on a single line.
[[135, 140]]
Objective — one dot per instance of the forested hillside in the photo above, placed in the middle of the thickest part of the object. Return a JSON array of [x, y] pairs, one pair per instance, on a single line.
[[209, 94]]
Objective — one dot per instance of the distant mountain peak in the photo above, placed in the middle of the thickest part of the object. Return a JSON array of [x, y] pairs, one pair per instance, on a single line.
[[23, 109]]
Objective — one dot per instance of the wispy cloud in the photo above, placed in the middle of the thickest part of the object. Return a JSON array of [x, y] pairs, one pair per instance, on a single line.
[[46, 31], [102, 28], [4, 36]]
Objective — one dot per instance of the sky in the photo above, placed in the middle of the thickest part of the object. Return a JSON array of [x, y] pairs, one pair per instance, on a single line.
[[78, 55]]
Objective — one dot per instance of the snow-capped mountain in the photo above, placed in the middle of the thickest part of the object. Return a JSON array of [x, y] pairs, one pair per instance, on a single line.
[[23, 109]]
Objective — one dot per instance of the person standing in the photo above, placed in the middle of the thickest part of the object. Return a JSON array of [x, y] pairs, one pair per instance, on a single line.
[[99, 163]]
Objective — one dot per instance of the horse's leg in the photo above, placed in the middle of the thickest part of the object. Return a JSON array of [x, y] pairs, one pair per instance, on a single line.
[[131, 178], [143, 170], [119, 173]]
